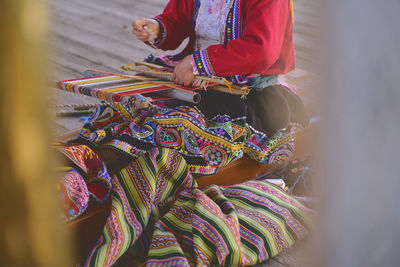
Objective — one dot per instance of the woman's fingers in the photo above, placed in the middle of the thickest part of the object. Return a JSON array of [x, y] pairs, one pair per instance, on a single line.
[[139, 24], [145, 29], [174, 77], [183, 72], [142, 36], [183, 78], [177, 79], [187, 81], [139, 29]]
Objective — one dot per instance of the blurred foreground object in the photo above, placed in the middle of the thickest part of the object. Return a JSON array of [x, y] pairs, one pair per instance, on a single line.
[[29, 227], [361, 133]]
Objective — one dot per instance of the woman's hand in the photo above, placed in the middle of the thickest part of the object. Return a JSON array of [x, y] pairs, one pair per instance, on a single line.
[[146, 30], [183, 72]]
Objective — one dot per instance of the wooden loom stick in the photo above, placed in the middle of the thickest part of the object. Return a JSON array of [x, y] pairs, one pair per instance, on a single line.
[[177, 87], [147, 64], [222, 85], [154, 70], [175, 91]]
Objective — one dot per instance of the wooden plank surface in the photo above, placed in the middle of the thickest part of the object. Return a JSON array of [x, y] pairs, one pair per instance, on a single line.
[[97, 34]]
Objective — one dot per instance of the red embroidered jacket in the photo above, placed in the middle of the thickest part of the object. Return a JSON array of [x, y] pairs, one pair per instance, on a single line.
[[258, 37]]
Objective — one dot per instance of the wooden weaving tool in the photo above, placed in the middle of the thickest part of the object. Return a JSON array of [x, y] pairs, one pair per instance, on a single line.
[[152, 81], [163, 73], [167, 88], [117, 87]]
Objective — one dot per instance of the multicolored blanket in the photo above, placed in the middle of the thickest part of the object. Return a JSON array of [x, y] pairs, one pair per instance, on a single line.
[[159, 217]]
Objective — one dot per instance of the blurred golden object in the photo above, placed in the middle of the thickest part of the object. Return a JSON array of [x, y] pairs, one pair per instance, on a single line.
[[30, 229]]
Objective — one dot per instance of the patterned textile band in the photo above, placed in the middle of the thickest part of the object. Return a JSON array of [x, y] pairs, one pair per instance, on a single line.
[[84, 174], [114, 88], [206, 144], [159, 217]]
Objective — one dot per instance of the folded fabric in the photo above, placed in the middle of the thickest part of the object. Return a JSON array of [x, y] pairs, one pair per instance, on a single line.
[[159, 217], [83, 174], [73, 194], [206, 144]]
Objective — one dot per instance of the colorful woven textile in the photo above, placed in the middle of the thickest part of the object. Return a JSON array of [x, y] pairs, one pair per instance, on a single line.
[[114, 88], [159, 217], [205, 144], [73, 194], [83, 174]]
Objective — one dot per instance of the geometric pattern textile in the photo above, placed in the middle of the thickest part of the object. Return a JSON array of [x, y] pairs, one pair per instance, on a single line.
[[73, 194], [114, 88], [206, 144], [159, 217], [83, 174]]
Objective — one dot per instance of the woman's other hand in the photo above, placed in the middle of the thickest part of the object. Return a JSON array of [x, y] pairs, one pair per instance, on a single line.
[[146, 30], [183, 72]]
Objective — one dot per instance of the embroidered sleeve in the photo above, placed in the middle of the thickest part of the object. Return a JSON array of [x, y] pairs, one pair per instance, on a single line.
[[161, 35], [202, 63], [175, 24]]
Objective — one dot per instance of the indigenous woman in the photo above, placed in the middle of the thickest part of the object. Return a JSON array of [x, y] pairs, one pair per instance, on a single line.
[[247, 41], [159, 216]]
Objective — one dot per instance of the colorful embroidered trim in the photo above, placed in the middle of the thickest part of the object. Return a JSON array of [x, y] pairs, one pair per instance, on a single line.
[[162, 35], [233, 31], [203, 63], [233, 23], [196, 7], [205, 144]]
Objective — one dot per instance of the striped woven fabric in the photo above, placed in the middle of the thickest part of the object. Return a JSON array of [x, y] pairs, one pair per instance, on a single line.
[[113, 88], [160, 218]]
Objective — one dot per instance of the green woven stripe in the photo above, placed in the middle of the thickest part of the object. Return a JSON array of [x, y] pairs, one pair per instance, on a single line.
[[178, 224]]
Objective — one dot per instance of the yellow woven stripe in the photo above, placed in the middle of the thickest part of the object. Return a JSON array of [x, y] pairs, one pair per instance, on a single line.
[[102, 93], [291, 7], [124, 112], [104, 252], [130, 87], [69, 85], [138, 197]]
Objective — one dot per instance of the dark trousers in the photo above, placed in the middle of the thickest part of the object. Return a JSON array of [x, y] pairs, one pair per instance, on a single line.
[[267, 110]]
